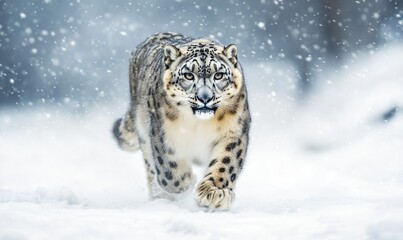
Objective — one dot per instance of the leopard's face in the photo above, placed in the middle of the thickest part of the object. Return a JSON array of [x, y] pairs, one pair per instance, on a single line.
[[202, 76]]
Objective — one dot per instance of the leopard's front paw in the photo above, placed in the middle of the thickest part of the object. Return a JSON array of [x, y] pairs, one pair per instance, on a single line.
[[208, 195]]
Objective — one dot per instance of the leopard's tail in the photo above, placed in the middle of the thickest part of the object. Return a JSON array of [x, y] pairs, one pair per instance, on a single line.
[[125, 135], [123, 128]]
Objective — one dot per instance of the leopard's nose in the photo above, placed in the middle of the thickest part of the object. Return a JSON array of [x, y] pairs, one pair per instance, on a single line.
[[204, 95]]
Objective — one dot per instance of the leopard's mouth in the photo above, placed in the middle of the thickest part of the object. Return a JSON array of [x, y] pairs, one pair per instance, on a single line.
[[204, 112]]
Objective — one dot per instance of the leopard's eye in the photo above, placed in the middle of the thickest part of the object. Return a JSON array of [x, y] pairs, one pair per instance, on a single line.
[[189, 76], [218, 76]]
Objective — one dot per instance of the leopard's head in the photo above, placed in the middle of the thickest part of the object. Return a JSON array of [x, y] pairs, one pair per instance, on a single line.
[[202, 76]]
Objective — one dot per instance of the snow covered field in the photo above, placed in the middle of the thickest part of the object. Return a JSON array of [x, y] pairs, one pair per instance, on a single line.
[[328, 169]]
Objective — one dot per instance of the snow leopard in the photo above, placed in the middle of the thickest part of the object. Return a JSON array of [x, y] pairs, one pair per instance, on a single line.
[[188, 105]]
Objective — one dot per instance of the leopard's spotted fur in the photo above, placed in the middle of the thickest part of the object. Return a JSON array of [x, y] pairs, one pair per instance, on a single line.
[[188, 104]]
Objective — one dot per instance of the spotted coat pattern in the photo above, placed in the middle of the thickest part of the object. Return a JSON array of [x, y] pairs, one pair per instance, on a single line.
[[172, 77]]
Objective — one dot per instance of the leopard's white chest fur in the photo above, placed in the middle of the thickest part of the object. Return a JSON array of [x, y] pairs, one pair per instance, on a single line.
[[191, 137]]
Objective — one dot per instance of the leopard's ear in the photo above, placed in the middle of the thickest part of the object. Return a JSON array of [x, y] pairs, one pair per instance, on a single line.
[[231, 52], [171, 53]]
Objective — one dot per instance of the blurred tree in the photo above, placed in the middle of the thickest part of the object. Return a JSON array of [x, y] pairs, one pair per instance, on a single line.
[[331, 11]]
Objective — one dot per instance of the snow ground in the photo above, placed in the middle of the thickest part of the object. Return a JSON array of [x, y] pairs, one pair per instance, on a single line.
[[328, 169]]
